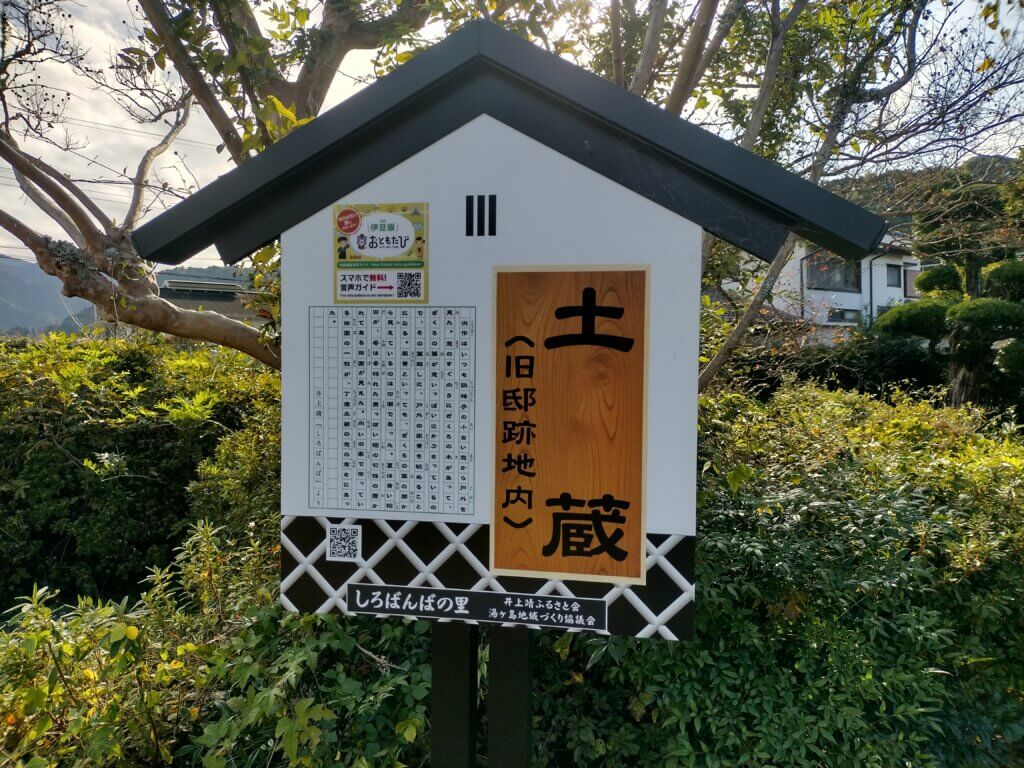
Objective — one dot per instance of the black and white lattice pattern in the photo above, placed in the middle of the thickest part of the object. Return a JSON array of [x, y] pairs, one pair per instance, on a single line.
[[455, 557]]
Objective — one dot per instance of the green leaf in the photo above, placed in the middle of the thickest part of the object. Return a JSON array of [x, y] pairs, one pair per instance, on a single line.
[[282, 110], [738, 476], [562, 645], [35, 698], [407, 729]]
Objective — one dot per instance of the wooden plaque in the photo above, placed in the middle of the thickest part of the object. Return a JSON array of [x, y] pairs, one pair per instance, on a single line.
[[570, 415]]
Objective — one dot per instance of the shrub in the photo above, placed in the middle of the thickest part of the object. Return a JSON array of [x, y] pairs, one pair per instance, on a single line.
[[857, 604], [1010, 360], [239, 486], [978, 323], [98, 442], [925, 318], [853, 602], [1006, 281], [206, 668], [869, 362], [943, 277]]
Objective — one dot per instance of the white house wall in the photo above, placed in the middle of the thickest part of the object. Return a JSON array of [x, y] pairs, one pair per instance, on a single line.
[[815, 304]]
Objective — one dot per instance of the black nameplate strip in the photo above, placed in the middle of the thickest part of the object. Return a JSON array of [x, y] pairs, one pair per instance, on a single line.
[[489, 607]]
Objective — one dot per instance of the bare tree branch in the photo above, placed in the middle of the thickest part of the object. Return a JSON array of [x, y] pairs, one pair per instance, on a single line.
[[82, 279], [93, 238], [146, 163], [22, 231], [877, 94], [780, 28], [48, 207], [725, 25], [89, 204]]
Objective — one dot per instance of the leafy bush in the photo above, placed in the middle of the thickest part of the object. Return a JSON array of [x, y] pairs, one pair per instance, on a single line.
[[1006, 281], [99, 440], [205, 668], [979, 323], [925, 318], [239, 487], [943, 277], [858, 598], [1010, 360], [853, 603], [869, 362]]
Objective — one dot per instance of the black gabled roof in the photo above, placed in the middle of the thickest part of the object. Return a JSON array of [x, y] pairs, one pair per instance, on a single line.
[[482, 69]]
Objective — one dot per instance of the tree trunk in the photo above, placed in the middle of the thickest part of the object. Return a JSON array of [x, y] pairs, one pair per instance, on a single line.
[[963, 384], [692, 53], [618, 66], [972, 278], [751, 313]]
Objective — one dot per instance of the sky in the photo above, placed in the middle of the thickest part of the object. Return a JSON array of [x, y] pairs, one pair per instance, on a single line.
[[114, 141]]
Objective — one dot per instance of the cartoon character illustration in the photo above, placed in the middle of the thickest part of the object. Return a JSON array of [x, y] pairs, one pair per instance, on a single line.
[[343, 246], [421, 247], [361, 241]]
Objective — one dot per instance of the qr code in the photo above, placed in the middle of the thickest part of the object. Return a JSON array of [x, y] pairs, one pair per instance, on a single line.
[[410, 285], [344, 543]]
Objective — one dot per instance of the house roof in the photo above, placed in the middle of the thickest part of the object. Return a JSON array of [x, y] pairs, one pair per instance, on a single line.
[[481, 69]]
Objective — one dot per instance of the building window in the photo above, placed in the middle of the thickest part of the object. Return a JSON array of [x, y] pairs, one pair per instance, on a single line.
[[894, 275], [909, 276], [832, 273], [838, 315]]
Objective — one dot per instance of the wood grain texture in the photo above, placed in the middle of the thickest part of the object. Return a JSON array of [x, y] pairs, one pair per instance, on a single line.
[[589, 415]]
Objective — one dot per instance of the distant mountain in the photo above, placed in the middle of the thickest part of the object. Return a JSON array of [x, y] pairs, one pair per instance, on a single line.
[[30, 300]]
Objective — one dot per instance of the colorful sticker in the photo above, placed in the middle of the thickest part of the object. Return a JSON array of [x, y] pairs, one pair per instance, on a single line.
[[380, 253]]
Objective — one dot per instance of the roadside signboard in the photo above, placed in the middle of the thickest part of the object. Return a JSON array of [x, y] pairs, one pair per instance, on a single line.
[[515, 444], [491, 266]]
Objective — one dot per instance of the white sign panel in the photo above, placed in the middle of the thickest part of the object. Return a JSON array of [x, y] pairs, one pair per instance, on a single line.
[[547, 212]]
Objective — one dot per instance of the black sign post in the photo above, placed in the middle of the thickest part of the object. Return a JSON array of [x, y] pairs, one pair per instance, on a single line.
[[453, 694], [509, 711], [453, 697]]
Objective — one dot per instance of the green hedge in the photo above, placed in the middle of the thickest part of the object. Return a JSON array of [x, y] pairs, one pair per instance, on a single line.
[[855, 604], [867, 362], [860, 594], [99, 440], [925, 318], [943, 277]]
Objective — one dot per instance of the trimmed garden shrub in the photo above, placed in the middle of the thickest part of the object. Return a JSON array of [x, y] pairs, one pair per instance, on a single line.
[[99, 440], [869, 362], [942, 277], [978, 323], [925, 318], [1006, 281], [860, 581]]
